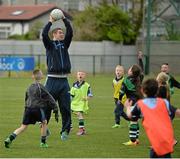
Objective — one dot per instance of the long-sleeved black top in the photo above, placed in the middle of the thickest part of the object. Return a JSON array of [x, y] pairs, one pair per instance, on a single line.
[[58, 61], [173, 82], [37, 96]]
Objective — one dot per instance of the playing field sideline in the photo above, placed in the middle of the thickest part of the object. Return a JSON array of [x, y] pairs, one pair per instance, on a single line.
[[101, 140]]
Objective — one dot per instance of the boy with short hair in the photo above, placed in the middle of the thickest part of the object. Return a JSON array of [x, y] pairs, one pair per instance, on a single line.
[[37, 99], [171, 81], [117, 83], [58, 68], [155, 113], [80, 93]]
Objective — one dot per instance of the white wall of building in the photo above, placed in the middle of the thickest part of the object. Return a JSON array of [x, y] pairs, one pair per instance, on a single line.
[[19, 28], [10, 28]]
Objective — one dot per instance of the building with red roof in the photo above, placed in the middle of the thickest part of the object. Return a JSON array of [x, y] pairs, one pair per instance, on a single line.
[[18, 19]]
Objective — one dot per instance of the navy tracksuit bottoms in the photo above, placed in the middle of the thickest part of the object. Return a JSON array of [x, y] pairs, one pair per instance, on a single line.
[[60, 90]]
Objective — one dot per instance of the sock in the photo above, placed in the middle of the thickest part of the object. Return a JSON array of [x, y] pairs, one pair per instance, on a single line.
[[81, 123], [12, 136], [71, 126], [117, 121], [137, 133], [43, 139], [133, 131]]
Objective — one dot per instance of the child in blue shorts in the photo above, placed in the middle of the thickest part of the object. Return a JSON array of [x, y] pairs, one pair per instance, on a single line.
[[119, 107], [37, 99]]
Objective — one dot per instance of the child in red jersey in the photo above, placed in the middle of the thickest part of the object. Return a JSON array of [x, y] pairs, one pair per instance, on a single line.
[[155, 113]]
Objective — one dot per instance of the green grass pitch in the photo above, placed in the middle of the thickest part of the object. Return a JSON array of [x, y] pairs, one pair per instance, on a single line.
[[101, 140]]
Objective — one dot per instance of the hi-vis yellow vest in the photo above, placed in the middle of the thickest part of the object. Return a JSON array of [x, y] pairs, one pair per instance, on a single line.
[[117, 86], [77, 103]]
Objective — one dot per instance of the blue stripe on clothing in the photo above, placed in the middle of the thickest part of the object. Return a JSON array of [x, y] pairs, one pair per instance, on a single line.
[[151, 103]]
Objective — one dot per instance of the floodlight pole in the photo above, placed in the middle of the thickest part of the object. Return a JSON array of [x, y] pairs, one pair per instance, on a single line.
[[148, 36]]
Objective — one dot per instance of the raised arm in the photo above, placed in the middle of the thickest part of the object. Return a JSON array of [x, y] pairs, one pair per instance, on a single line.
[[122, 91], [45, 33], [141, 65], [175, 83], [69, 33], [140, 62]]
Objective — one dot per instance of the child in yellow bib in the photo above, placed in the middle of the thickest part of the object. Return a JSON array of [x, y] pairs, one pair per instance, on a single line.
[[117, 84], [80, 93]]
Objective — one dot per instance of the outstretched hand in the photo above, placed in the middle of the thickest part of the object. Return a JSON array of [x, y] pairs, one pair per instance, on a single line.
[[128, 103], [56, 115], [140, 55]]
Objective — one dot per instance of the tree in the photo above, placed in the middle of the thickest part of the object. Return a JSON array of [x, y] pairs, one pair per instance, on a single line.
[[104, 22], [172, 31], [34, 32], [137, 15]]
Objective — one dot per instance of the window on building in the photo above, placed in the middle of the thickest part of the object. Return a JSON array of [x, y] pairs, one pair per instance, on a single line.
[[18, 12], [5, 32]]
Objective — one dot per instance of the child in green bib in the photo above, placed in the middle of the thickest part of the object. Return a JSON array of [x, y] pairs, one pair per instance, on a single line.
[[80, 93]]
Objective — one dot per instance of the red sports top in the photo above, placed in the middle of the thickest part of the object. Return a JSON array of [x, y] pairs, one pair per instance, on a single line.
[[158, 126]]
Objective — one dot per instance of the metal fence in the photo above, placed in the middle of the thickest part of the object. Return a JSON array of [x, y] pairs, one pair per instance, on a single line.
[[98, 57], [104, 63], [90, 63]]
